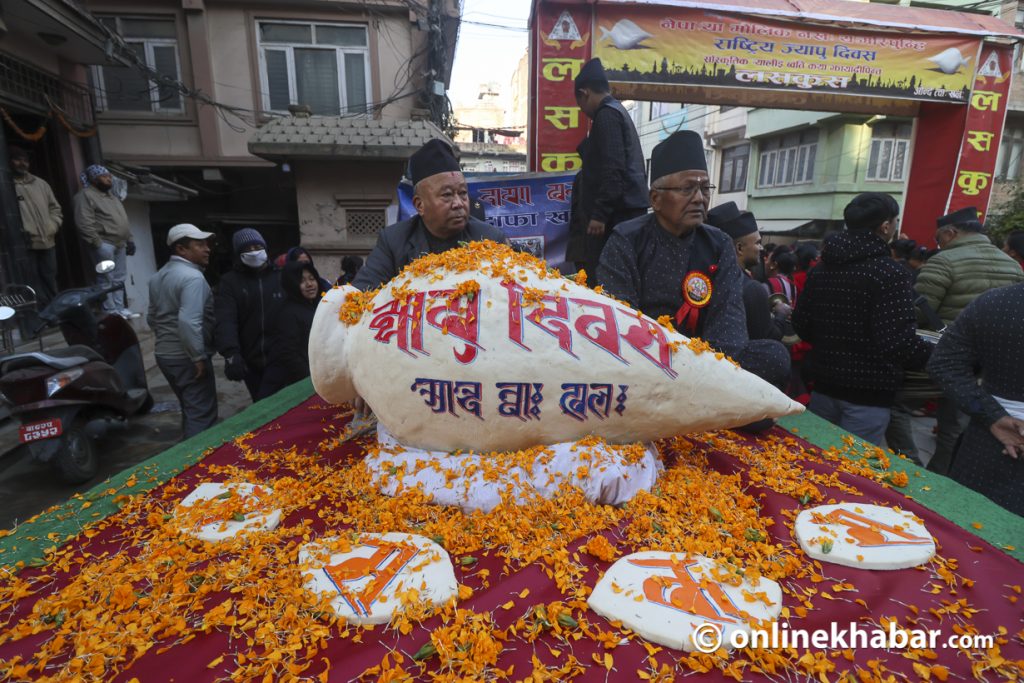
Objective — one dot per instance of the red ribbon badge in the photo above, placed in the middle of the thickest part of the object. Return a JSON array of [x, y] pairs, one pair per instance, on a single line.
[[697, 290]]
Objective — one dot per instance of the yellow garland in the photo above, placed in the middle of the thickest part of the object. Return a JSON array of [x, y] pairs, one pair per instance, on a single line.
[[77, 133], [31, 137]]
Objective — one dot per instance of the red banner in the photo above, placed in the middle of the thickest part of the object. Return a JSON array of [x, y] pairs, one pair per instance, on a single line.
[[972, 184], [561, 42]]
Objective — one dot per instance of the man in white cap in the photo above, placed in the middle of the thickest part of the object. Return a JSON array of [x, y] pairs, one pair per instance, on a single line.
[[181, 317]]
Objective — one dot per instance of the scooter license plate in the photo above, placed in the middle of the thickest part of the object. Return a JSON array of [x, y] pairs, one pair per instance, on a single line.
[[37, 431]]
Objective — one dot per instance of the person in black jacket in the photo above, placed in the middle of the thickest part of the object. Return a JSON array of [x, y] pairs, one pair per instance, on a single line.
[[763, 321], [288, 358], [613, 182], [857, 309], [245, 303], [443, 218], [985, 341]]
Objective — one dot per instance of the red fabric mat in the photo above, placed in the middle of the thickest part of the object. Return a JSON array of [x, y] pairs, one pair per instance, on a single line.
[[312, 427]]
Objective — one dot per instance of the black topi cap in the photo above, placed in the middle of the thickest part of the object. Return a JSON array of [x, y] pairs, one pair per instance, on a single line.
[[960, 217], [729, 219], [592, 73], [434, 157], [681, 151]]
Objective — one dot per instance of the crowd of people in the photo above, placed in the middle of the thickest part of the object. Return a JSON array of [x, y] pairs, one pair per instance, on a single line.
[[838, 327], [841, 329], [258, 319]]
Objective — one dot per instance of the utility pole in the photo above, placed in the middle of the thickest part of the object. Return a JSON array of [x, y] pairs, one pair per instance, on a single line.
[[12, 236]]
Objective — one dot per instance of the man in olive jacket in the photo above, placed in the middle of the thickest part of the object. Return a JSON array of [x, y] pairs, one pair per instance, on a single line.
[[41, 217], [967, 265], [103, 225]]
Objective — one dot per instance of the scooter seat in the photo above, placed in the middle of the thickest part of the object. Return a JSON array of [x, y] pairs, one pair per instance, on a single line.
[[58, 359]]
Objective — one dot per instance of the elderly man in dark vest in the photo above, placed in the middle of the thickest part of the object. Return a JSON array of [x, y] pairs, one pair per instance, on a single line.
[[671, 263], [613, 184], [442, 219]]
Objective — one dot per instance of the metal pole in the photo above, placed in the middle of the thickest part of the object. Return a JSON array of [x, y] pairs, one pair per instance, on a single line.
[[12, 237]]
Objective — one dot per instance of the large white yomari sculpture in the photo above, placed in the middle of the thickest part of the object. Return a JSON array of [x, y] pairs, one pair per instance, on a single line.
[[483, 348]]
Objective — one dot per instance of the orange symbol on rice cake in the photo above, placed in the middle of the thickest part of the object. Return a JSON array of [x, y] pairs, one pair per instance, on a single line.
[[683, 592], [869, 532], [382, 568]]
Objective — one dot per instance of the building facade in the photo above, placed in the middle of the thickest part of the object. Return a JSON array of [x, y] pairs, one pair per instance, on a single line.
[[293, 118], [46, 47]]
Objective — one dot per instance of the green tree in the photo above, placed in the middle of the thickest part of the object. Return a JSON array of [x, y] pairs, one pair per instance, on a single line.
[[1007, 216]]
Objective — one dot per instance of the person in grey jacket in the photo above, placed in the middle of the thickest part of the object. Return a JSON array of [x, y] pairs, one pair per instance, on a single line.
[[103, 225], [41, 217], [181, 317], [443, 220]]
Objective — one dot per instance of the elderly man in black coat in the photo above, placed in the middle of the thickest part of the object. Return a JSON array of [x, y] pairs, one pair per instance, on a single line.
[[671, 263], [441, 222]]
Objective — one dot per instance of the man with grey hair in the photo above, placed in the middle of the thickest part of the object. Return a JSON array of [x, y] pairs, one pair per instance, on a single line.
[[671, 262], [441, 222], [103, 225]]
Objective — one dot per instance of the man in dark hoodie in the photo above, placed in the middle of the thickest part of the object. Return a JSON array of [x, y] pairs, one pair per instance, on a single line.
[[857, 309], [246, 301]]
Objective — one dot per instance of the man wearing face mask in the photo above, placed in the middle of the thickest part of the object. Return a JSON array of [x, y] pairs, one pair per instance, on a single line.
[[442, 219], [246, 301], [670, 262], [857, 309]]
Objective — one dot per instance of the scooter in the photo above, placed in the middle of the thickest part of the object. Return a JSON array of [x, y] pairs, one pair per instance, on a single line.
[[67, 398]]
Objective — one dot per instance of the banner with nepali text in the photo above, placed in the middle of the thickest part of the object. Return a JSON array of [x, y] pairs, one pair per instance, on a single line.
[[532, 209], [986, 115], [690, 46], [560, 38]]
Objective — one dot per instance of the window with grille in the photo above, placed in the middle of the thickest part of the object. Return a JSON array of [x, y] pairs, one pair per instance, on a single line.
[[154, 40], [890, 145], [787, 159], [364, 222], [734, 169], [323, 66], [1010, 150]]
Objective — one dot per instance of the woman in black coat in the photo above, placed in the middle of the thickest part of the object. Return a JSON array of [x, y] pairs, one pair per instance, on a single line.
[[288, 360]]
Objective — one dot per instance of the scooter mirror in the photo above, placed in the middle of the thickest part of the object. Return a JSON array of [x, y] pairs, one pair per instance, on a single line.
[[104, 267], [6, 313]]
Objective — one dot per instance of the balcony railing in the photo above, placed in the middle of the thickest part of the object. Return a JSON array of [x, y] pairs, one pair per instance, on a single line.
[[25, 87]]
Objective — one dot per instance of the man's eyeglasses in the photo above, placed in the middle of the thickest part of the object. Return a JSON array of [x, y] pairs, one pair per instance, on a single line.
[[689, 189]]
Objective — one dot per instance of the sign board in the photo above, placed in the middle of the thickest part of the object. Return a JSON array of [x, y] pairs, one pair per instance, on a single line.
[[691, 46], [532, 209], [983, 130]]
